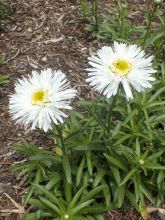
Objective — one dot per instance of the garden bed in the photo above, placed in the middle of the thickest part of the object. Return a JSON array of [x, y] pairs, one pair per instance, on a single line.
[[43, 34]]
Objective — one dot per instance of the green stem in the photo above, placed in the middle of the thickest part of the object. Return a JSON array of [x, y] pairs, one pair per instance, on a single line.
[[131, 120], [148, 123], [149, 24], [60, 137], [95, 13], [110, 112], [60, 140]]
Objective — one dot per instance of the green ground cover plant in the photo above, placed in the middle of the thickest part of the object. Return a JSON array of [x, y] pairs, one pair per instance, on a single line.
[[3, 77], [111, 154], [5, 10]]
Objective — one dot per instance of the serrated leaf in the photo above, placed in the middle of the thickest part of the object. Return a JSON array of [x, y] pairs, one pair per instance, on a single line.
[[115, 162], [76, 197], [132, 199], [32, 188], [146, 193], [80, 171], [92, 193], [89, 163], [50, 205], [99, 175], [81, 206], [120, 195], [67, 168], [128, 176]]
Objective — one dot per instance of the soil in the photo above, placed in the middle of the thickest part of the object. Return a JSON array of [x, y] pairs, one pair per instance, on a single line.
[[41, 34]]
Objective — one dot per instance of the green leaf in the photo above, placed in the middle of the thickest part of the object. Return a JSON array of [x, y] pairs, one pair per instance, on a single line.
[[90, 218], [49, 195], [130, 116], [120, 195], [138, 151], [154, 156], [81, 206], [80, 171], [99, 175], [37, 215], [124, 138], [116, 174], [32, 188], [155, 95], [36, 203], [107, 193], [151, 105], [79, 217], [116, 130], [155, 38], [84, 103], [76, 198], [93, 146], [146, 193], [132, 199], [67, 168], [161, 177], [136, 186], [53, 180], [100, 217], [86, 178], [97, 209], [68, 190], [153, 166], [157, 118], [89, 163], [4, 79], [50, 205], [115, 162], [92, 193], [128, 176]]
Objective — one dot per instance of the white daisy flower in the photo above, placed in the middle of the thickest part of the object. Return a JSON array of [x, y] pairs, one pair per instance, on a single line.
[[122, 63], [38, 99]]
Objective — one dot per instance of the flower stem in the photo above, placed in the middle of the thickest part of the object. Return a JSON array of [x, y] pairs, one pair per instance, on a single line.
[[151, 16], [110, 112], [95, 13]]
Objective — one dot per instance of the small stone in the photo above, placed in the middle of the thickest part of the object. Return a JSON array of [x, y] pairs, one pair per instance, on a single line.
[[44, 59], [19, 29], [29, 29]]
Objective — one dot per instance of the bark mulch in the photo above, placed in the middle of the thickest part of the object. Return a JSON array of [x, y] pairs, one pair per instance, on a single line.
[[38, 35]]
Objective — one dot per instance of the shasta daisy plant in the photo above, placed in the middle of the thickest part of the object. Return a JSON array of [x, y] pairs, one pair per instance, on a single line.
[[40, 98], [120, 64]]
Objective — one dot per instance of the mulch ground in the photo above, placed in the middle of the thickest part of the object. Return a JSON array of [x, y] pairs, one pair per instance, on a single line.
[[38, 35]]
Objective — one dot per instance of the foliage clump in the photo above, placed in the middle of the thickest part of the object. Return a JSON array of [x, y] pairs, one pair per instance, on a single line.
[[5, 10], [111, 155]]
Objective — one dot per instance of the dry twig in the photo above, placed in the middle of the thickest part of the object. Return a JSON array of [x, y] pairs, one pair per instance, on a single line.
[[20, 209], [6, 61]]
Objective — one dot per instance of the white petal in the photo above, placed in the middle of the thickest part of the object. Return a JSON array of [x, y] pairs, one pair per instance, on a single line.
[[127, 89]]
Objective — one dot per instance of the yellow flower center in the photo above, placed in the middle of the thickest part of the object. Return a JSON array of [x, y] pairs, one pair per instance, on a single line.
[[121, 67], [40, 97]]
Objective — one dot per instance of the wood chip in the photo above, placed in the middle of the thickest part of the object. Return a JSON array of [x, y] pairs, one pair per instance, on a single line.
[[54, 40]]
